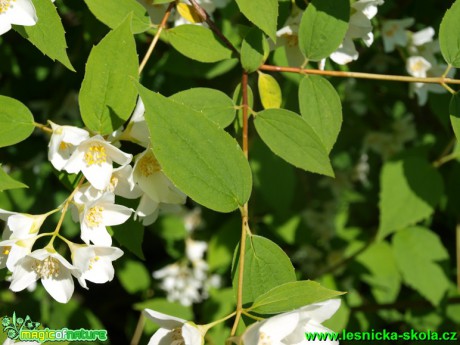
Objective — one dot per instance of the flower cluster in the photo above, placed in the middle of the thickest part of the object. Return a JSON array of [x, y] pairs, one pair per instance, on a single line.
[[108, 174], [188, 281]]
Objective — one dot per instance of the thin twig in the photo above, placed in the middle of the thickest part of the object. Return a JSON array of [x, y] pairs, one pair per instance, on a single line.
[[206, 18], [138, 331], [157, 37], [359, 75]]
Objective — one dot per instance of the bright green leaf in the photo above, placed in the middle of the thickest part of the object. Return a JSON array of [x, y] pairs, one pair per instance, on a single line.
[[382, 272], [112, 13], [290, 296], [405, 195], [201, 159], [198, 43], [449, 35], [266, 266], [320, 106], [291, 138], [323, 27], [254, 50], [213, 104], [48, 34], [130, 235], [263, 13], [416, 251], [269, 91], [7, 182], [16, 121], [454, 110], [107, 94], [222, 245], [133, 276]]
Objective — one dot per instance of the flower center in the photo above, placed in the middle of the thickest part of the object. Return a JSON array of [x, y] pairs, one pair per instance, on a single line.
[[292, 40], [391, 30], [176, 337], [4, 5], [92, 261], [149, 165], [47, 268], [113, 184], [64, 146], [264, 339], [6, 250], [418, 66], [95, 155], [94, 216]]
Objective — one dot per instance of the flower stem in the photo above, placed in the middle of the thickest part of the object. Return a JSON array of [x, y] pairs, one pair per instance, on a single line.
[[212, 324], [138, 331], [156, 37], [359, 75], [44, 128]]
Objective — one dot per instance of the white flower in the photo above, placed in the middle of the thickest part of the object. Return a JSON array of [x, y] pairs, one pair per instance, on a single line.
[[359, 27], [94, 158], [11, 251], [290, 328], [195, 249], [288, 37], [417, 66], [95, 263], [97, 214], [21, 225], [137, 130], [19, 12], [51, 268], [394, 33], [174, 331], [63, 142], [151, 179]]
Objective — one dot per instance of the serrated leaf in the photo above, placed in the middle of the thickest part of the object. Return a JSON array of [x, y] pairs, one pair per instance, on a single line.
[[254, 50], [416, 251], [291, 138], [454, 110], [16, 121], [200, 158], [198, 43], [213, 104], [382, 272], [449, 35], [48, 34], [405, 196], [320, 106], [130, 235], [263, 13], [323, 27], [290, 296], [7, 182], [266, 266], [112, 13], [269, 91], [107, 94]]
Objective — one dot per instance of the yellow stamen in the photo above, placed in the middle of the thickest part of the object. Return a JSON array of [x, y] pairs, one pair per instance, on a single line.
[[6, 250], [149, 165], [5, 5], [95, 155], [47, 268], [94, 216]]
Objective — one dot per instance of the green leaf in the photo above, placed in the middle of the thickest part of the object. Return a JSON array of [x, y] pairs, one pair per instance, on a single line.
[[290, 296], [405, 196], [112, 13], [130, 235], [323, 27], [201, 159], [48, 34], [266, 266], [213, 104], [107, 94], [198, 43], [291, 138], [416, 251], [222, 245], [320, 106], [16, 121], [133, 276], [454, 110], [7, 182], [449, 35], [254, 50], [382, 272], [263, 13], [270, 91]]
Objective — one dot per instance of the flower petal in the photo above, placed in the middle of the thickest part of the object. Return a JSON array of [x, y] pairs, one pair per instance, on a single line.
[[164, 320]]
